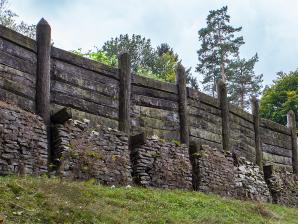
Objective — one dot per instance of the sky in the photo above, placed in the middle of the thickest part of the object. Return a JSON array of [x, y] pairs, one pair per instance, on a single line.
[[269, 27]]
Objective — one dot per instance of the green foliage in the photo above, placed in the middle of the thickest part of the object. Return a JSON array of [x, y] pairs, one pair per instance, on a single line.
[[218, 48], [50, 200], [98, 55], [280, 98], [8, 19], [242, 81]]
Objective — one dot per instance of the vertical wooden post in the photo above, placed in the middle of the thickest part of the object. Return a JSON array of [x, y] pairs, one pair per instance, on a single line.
[[181, 83], [124, 92], [43, 38], [292, 126], [224, 106], [256, 120]]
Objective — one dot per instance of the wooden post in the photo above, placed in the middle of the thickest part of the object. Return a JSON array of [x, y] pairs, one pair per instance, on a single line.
[[224, 106], [181, 83], [256, 119], [43, 38], [124, 92], [292, 126]]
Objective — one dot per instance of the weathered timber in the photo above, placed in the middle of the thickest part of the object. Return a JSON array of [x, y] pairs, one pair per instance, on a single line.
[[22, 102], [292, 126], [183, 112], [240, 113], [62, 115], [275, 150], [12, 74], [154, 93], [203, 106], [256, 117], [274, 126], [268, 157], [204, 134], [67, 70], [17, 51], [124, 92], [137, 140], [86, 63], [154, 84], [224, 105], [17, 38], [204, 124], [94, 119], [17, 88], [83, 105], [202, 97], [17, 63], [275, 138], [43, 36], [84, 94], [155, 102]]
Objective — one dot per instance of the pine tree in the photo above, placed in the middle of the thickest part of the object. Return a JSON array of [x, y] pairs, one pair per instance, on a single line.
[[219, 48], [243, 82]]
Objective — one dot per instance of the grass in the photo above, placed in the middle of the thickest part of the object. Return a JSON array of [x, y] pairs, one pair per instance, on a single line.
[[43, 200]]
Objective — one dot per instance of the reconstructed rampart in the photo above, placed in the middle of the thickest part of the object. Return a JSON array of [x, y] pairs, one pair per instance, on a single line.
[[42, 79]]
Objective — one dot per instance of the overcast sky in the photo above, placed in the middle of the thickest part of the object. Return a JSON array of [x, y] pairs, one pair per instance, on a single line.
[[270, 27]]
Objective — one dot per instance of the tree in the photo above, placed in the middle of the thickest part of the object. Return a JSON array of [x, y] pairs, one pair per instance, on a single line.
[[242, 81], [98, 55], [141, 52], [280, 98], [218, 48], [8, 19]]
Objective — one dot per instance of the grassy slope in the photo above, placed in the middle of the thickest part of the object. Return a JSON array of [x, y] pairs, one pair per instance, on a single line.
[[42, 200]]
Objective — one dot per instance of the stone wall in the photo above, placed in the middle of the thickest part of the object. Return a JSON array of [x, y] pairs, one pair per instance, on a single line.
[[228, 175], [283, 185], [82, 152], [23, 142], [161, 164]]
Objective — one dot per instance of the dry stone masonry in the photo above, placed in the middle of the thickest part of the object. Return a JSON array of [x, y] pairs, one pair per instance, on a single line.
[[23, 142], [227, 175], [157, 163], [82, 152]]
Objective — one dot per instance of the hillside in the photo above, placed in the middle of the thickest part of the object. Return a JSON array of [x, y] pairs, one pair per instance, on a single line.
[[43, 200]]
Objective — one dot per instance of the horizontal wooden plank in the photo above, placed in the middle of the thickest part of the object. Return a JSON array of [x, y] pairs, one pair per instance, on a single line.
[[95, 120], [277, 159], [18, 51], [240, 113], [17, 63], [12, 74], [204, 114], [138, 80], [17, 88], [155, 113], [154, 102], [202, 106], [205, 124], [265, 123], [22, 102], [154, 123], [138, 90], [87, 95], [202, 97], [200, 133], [275, 150], [83, 105], [241, 122], [82, 62], [18, 38], [275, 138], [201, 141], [163, 134]]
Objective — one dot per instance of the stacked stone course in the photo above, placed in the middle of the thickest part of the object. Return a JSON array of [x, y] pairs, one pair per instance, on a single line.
[[225, 174], [162, 164], [23, 142], [82, 152]]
